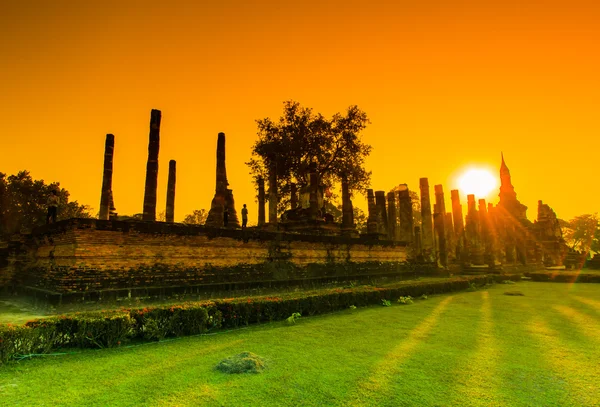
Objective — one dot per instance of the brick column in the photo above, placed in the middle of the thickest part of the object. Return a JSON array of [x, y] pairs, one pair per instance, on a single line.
[[347, 210], [391, 201], [382, 221], [440, 217], [459, 226], [406, 215], [149, 212], [106, 192], [372, 218], [170, 208], [426, 221]]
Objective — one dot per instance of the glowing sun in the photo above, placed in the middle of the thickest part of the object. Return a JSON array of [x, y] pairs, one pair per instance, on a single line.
[[478, 182]]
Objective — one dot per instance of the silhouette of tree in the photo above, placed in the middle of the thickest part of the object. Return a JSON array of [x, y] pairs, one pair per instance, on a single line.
[[302, 137], [360, 220], [582, 233], [197, 217], [23, 203]]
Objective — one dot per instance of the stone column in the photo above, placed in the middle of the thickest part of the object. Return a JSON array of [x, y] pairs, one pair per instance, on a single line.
[[418, 246], [426, 221], [485, 233], [106, 193], [406, 215], [294, 196], [472, 232], [233, 221], [459, 226], [347, 210], [391, 201], [440, 215], [170, 209], [112, 212], [450, 239], [493, 225], [372, 219], [149, 212], [261, 201], [382, 226], [223, 198], [273, 195]]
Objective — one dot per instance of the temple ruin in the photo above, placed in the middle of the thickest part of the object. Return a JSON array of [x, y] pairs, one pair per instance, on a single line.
[[305, 245]]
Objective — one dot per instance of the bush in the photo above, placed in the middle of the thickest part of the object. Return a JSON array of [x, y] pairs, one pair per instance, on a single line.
[[109, 329], [179, 320], [564, 277], [245, 362], [405, 300], [106, 329], [292, 319]]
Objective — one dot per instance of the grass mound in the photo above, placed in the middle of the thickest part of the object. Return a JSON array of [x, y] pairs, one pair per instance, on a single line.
[[516, 293], [245, 362]]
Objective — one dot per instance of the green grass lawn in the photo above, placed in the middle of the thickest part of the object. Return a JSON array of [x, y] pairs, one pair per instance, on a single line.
[[479, 348]]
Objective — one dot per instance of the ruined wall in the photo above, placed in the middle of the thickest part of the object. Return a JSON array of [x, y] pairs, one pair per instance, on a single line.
[[92, 255]]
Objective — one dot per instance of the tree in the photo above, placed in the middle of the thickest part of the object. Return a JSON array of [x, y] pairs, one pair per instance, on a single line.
[[360, 220], [23, 203], [198, 217], [582, 233], [302, 137]]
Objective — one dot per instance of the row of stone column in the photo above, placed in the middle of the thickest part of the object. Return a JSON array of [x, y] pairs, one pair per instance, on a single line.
[[347, 208], [441, 234], [107, 209]]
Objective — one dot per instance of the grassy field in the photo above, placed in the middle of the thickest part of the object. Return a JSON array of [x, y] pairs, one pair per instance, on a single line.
[[479, 348]]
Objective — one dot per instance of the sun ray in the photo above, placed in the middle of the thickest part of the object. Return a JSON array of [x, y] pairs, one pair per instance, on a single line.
[[584, 323], [383, 372], [478, 373], [589, 302], [565, 363]]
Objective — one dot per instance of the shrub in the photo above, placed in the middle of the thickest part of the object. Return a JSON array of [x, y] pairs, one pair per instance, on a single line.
[[86, 330], [405, 300], [245, 362], [108, 329], [179, 320], [292, 319], [564, 277]]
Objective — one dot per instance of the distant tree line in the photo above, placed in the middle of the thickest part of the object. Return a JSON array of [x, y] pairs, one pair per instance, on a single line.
[[582, 233], [23, 203]]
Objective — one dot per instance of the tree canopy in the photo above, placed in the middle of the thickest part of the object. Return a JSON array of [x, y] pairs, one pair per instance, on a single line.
[[301, 137], [582, 233], [23, 203], [197, 217]]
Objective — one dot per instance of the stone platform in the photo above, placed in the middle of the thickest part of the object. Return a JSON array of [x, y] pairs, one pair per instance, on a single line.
[[82, 259]]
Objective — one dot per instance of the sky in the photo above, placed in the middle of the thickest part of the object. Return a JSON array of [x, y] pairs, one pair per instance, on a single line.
[[447, 85]]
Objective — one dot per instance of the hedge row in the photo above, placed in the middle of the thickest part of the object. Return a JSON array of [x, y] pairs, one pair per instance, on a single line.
[[112, 328], [564, 277]]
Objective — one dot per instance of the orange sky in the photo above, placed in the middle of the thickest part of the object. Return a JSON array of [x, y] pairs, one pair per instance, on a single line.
[[445, 84]]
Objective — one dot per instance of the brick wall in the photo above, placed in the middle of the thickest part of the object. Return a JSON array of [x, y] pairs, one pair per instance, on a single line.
[[92, 255]]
